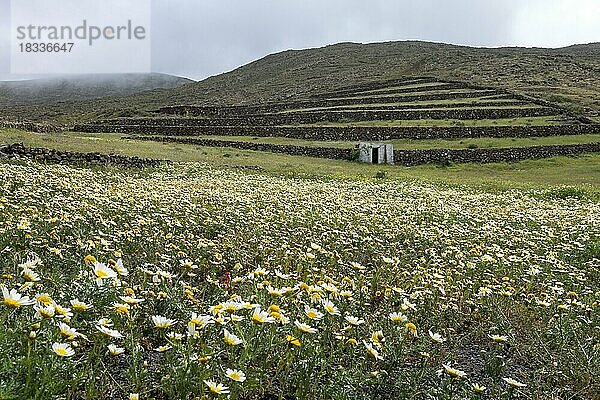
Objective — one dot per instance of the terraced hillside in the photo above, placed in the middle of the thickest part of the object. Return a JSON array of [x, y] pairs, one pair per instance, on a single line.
[[333, 122], [567, 76]]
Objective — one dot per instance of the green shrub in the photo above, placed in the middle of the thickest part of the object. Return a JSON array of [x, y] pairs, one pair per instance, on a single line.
[[354, 155], [380, 175]]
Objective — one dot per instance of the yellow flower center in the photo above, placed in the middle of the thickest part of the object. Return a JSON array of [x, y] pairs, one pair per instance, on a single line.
[[45, 313], [122, 309], [257, 318], [44, 300], [101, 274], [61, 352], [12, 303], [274, 308]]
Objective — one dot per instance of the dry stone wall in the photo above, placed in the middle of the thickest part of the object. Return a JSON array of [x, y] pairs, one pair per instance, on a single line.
[[327, 133], [320, 152], [19, 151], [402, 157], [31, 126], [483, 156]]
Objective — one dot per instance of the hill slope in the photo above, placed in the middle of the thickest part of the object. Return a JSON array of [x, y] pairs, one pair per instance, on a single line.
[[572, 73], [84, 87], [570, 76]]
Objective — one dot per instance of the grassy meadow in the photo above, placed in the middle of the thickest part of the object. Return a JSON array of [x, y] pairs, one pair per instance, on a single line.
[[581, 172], [246, 275]]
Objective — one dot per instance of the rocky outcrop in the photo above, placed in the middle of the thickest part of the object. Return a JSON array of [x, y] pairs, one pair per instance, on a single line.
[[19, 151]]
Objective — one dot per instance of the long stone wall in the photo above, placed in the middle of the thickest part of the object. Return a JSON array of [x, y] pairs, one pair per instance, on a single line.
[[327, 133], [31, 126], [19, 151], [470, 104], [401, 157], [320, 152], [483, 156]]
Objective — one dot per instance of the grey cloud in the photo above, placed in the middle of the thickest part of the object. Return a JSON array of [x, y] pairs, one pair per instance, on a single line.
[[199, 38], [216, 36]]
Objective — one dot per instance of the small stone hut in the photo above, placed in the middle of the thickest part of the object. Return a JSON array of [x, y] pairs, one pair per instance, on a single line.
[[376, 153]]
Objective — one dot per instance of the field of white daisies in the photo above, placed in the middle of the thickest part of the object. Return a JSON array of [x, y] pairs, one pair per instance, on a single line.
[[190, 282]]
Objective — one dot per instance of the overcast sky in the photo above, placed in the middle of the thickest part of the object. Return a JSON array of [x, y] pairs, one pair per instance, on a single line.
[[200, 38]]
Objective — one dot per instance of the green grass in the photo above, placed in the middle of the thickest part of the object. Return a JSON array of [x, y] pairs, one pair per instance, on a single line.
[[583, 172], [526, 121], [103, 143]]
